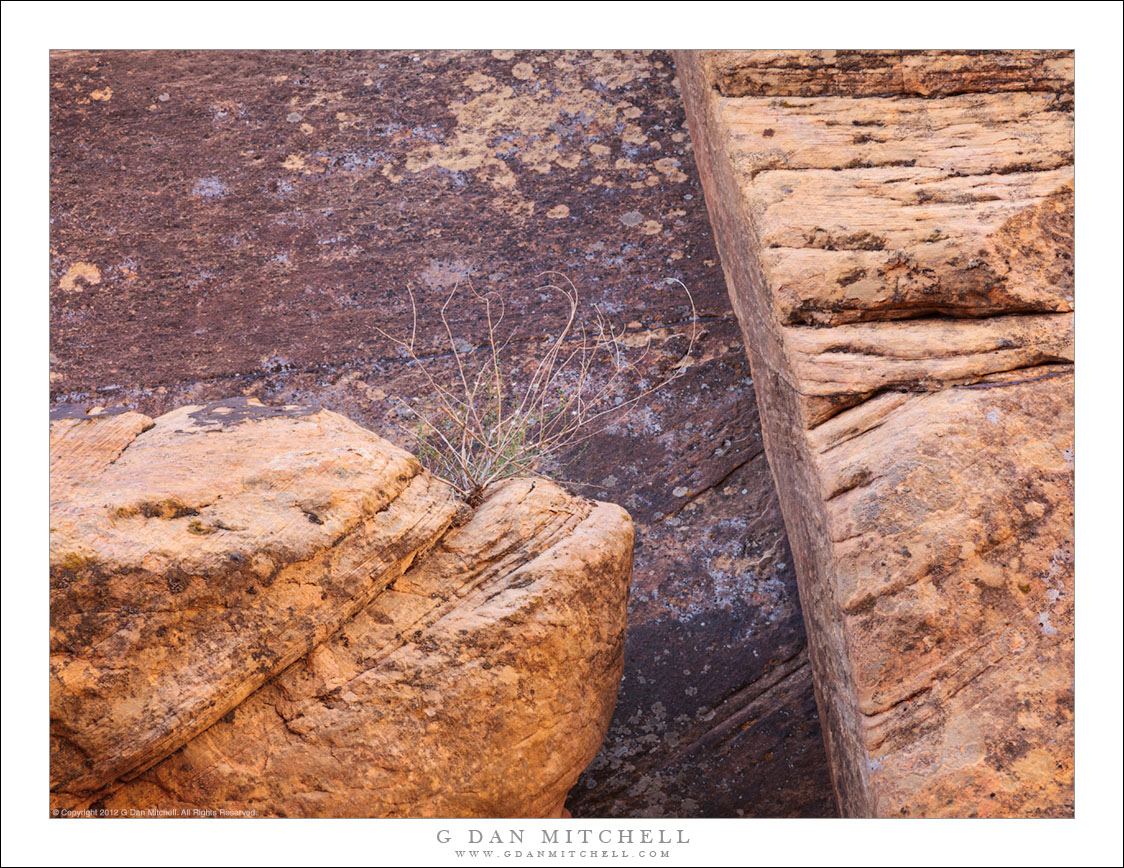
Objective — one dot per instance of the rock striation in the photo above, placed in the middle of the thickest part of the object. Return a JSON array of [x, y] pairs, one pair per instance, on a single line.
[[271, 609], [269, 263], [897, 234]]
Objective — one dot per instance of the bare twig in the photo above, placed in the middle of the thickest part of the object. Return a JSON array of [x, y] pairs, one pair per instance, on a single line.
[[484, 426]]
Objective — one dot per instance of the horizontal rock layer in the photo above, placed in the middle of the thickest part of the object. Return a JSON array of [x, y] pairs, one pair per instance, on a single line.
[[219, 548], [247, 223], [885, 72], [897, 233]]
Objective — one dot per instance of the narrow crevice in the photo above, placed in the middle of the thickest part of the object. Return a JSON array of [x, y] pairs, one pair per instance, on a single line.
[[921, 389]]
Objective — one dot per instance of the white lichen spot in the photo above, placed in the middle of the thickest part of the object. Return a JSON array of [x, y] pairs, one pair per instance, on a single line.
[[209, 188], [1045, 626]]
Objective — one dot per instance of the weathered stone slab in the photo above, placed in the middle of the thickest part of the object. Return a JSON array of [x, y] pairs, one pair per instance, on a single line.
[[481, 683], [196, 555], [885, 72], [902, 270], [265, 263]]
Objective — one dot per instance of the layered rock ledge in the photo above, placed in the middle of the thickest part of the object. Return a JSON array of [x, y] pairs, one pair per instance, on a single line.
[[272, 609], [268, 263], [897, 234]]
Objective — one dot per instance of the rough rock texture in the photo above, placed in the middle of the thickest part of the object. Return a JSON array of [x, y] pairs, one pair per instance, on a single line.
[[480, 684], [886, 72], [243, 222], [897, 233], [468, 673], [195, 556]]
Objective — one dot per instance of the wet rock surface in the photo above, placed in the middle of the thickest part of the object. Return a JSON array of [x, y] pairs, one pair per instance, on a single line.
[[245, 223]]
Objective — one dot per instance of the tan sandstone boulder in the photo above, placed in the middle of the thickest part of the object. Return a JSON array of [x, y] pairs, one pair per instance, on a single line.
[[897, 234], [408, 669]]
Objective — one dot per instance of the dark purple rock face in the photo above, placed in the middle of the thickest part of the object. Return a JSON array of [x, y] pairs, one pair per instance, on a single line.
[[246, 224]]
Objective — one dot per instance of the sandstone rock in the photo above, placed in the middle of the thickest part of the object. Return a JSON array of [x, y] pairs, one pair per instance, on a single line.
[[438, 672], [885, 72], [196, 555], [480, 684], [183, 278], [902, 270]]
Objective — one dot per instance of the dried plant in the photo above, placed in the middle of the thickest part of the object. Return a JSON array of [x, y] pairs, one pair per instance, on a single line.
[[484, 422]]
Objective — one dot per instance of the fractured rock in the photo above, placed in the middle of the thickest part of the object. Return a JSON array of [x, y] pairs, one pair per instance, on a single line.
[[480, 684], [197, 557], [897, 234], [184, 313]]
